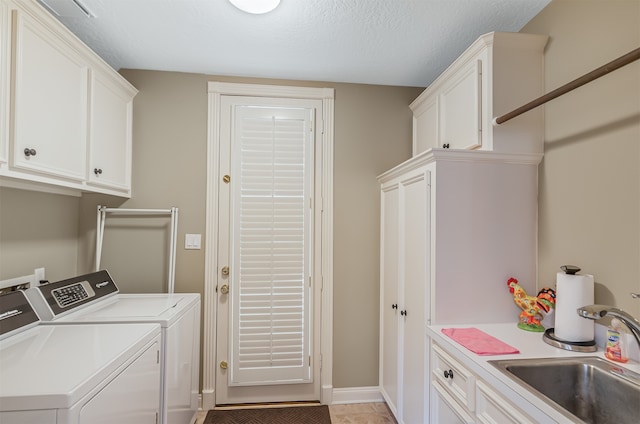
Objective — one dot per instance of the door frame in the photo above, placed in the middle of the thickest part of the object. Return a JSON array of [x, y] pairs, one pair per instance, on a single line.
[[215, 91]]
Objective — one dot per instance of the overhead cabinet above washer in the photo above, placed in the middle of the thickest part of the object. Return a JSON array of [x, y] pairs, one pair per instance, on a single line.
[[69, 113]]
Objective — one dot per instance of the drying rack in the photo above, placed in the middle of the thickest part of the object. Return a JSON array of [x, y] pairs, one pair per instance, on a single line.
[[173, 212]]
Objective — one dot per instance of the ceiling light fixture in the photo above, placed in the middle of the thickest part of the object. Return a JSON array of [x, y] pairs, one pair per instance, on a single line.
[[256, 7]]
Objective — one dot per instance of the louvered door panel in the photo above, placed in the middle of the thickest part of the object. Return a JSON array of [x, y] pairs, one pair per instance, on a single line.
[[271, 223]]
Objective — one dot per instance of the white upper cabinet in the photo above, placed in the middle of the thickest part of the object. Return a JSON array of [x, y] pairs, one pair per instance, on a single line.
[[49, 101], [110, 139], [496, 74], [66, 115], [5, 28]]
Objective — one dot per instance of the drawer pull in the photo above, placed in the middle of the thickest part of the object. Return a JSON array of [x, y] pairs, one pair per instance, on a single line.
[[29, 152], [97, 171], [448, 374]]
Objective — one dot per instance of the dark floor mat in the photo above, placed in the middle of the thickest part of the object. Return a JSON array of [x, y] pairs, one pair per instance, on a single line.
[[292, 415]]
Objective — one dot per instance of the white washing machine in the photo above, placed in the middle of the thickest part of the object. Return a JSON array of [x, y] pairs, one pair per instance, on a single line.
[[94, 298], [75, 374]]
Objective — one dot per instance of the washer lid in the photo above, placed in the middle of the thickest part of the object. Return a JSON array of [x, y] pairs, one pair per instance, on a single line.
[[54, 366], [160, 308]]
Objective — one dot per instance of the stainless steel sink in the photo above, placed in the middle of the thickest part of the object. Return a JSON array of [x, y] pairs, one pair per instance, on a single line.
[[584, 389]]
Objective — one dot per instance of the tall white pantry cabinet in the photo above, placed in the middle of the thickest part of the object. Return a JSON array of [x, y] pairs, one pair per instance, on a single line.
[[456, 223]]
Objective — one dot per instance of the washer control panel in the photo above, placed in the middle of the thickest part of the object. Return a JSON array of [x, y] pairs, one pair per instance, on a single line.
[[16, 314]]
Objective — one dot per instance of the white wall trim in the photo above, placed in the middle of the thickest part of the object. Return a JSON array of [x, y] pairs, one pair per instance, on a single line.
[[357, 395], [215, 91]]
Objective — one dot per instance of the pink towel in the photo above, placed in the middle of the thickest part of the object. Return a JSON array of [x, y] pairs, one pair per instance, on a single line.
[[479, 342]]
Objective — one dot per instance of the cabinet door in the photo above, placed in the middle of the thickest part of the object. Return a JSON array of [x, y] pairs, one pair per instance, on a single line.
[[493, 408], [426, 127], [389, 295], [5, 28], [461, 108], [414, 308], [50, 101], [445, 410], [110, 133]]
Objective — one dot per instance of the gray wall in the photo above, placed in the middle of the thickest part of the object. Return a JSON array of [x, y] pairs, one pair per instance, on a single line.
[[38, 230], [589, 179]]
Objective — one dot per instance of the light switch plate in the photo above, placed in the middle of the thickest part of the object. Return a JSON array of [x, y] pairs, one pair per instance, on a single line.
[[192, 241]]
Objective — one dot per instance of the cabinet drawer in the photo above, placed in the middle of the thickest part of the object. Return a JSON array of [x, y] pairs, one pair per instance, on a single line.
[[459, 381], [493, 408]]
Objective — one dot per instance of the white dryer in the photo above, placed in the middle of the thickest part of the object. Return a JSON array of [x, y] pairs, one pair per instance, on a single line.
[[95, 298], [75, 374]]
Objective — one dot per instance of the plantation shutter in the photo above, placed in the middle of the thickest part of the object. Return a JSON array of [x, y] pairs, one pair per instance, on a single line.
[[270, 251]]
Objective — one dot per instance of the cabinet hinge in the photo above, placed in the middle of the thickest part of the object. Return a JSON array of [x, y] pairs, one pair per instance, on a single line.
[[309, 360], [157, 356]]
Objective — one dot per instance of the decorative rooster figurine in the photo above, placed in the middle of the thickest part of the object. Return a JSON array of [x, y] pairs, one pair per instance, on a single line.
[[533, 308]]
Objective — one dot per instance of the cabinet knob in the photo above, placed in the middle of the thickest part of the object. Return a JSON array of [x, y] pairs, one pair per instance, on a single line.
[[394, 306], [29, 152], [448, 374], [403, 313], [97, 171]]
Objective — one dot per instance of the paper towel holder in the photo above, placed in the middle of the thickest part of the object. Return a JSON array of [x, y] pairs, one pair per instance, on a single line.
[[570, 269], [550, 338]]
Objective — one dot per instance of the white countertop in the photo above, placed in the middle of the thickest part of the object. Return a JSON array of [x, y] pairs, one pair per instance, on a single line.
[[530, 345]]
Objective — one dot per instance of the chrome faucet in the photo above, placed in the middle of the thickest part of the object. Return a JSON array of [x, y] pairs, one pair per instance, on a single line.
[[598, 311]]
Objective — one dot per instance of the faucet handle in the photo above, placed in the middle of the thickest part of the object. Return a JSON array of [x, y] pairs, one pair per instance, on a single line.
[[635, 295]]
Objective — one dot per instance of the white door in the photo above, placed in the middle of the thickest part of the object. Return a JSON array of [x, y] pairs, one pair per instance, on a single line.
[[267, 347], [414, 307], [389, 312]]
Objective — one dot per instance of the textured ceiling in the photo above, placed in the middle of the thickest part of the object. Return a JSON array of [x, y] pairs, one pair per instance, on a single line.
[[390, 42]]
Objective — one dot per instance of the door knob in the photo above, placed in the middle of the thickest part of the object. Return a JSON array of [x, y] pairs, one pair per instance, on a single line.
[[225, 270], [224, 365], [224, 289]]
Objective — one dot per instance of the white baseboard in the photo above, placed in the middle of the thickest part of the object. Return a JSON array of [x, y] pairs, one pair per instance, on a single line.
[[208, 400], [357, 395], [330, 396]]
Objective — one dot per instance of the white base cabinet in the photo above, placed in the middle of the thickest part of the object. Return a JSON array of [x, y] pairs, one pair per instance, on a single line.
[[459, 396], [455, 225], [65, 114], [499, 72]]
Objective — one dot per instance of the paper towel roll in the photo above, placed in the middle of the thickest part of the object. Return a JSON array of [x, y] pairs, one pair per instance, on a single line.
[[572, 292]]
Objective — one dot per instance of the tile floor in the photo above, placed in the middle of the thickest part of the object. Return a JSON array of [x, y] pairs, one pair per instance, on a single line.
[[353, 413]]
